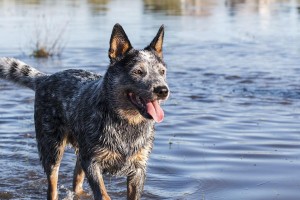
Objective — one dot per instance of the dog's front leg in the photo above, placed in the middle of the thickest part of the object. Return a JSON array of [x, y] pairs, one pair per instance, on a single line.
[[78, 178], [95, 179], [135, 184]]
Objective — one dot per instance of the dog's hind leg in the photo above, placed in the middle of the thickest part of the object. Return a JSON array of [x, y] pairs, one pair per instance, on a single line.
[[51, 142], [78, 178], [52, 177], [51, 135], [51, 152]]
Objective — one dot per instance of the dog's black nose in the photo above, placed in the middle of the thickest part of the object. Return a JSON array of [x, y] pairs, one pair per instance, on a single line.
[[161, 91]]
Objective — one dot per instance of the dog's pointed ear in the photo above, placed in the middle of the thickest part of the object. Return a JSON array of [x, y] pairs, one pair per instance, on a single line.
[[119, 43], [157, 42]]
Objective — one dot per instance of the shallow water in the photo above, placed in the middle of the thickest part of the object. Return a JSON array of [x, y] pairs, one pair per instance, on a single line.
[[232, 122]]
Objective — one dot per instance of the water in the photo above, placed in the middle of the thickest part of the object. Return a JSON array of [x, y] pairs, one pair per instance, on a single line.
[[232, 122]]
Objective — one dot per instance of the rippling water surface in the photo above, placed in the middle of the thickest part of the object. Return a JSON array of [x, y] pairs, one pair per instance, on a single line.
[[232, 122]]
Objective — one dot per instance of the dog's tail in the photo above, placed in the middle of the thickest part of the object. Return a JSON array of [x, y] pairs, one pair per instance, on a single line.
[[18, 72]]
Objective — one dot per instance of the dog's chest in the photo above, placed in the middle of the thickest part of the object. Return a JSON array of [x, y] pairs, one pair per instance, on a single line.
[[132, 150], [123, 165]]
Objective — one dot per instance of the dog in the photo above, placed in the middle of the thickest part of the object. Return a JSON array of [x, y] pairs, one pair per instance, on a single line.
[[109, 119]]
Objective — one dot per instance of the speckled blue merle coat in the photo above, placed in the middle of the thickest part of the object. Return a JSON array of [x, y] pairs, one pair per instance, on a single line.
[[109, 120]]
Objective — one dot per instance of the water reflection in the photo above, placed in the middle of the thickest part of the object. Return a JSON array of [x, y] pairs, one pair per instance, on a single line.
[[98, 7], [180, 7], [33, 2], [253, 6], [174, 7], [206, 7]]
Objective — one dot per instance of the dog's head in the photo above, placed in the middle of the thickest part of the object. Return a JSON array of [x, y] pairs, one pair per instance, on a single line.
[[136, 78]]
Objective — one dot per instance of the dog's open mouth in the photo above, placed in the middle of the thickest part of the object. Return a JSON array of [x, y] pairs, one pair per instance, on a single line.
[[151, 107]]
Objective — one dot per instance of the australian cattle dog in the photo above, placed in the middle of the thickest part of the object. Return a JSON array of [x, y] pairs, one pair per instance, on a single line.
[[109, 119]]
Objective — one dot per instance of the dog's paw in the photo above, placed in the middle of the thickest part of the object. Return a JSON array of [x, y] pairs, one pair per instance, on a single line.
[[82, 195]]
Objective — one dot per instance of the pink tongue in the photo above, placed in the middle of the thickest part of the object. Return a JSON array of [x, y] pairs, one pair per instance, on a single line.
[[154, 109]]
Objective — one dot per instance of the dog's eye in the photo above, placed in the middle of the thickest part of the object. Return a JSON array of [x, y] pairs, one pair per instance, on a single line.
[[162, 72], [138, 72]]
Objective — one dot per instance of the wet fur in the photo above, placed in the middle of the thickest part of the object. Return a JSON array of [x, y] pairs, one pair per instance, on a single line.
[[93, 114]]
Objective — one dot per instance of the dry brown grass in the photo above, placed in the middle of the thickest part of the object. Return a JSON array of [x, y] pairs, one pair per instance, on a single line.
[[48, 38]]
